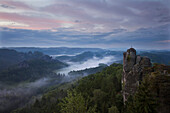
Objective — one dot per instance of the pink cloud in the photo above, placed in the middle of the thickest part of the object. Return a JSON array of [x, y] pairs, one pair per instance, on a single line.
[[88, 14], [33, 22]]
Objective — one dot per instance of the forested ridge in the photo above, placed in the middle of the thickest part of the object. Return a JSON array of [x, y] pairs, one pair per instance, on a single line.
[[16, 67], [101, 93], [96, 92]]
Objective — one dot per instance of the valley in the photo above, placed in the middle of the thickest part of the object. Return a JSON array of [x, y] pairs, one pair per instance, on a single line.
[[27, 76]]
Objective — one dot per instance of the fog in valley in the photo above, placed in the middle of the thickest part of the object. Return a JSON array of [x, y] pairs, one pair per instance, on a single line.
[[12, 97], [90, 63]]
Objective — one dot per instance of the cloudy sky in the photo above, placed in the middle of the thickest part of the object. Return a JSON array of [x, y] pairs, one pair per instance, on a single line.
[[144, 24]]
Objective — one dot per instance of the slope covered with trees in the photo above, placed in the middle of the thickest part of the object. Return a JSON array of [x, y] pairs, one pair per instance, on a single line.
[[98, 92], [101, 93], [10, 58], [18, 67]]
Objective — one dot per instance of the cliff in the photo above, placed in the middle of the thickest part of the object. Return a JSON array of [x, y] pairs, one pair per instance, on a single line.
[[133, 66], [136, 69]]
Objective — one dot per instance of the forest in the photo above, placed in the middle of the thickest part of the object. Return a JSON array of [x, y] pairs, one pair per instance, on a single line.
[[101, 93]]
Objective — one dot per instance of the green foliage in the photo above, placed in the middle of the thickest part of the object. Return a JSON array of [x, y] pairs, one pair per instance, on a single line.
[[18, 67], [48, 103], [35, 70], [100, 93], [113, 109], [119, 102], [73, 103], [102, 88], [94, 93], [144, 100]]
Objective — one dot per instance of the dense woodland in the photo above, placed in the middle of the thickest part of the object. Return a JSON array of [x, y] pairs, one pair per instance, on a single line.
[[96, 92], [29, 71], [21, 67], [24, 75], [101, 93]]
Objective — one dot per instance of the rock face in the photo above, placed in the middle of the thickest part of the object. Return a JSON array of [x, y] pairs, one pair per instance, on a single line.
[[133, 66]]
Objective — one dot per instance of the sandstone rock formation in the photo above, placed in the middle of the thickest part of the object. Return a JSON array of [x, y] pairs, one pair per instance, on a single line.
[[133, 66]]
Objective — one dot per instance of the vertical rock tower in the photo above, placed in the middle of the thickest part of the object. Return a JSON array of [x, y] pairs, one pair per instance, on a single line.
[[133, 66]]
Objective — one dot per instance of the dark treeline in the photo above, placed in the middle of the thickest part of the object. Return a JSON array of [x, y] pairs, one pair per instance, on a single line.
[[30, 71], [10, 58], [18, 67]]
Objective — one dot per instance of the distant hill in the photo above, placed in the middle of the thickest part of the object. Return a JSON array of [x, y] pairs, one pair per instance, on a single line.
[[30, 71], [56, 50], [18, 67], [158, 57], [12, 57], [89, 55], [82, 54]]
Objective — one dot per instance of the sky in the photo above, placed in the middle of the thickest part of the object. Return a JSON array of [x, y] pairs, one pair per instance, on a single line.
[[143, 24]]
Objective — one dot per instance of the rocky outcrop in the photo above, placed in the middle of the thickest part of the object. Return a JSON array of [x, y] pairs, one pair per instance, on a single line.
[[133, 69]]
